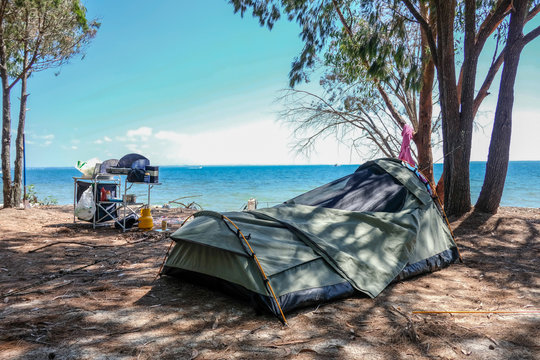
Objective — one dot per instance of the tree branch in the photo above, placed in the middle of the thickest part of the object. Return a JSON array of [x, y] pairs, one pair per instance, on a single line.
[[491, 22], [427, 30], [483, 92], [534, 11], [496, 64], [390, 106], [342, 18], [530, 36], [383, 93]]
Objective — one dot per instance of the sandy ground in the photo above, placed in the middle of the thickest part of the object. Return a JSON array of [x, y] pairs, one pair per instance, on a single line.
[[92, 294]]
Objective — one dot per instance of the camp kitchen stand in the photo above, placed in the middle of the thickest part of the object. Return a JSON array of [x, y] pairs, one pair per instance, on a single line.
[[110, 210]]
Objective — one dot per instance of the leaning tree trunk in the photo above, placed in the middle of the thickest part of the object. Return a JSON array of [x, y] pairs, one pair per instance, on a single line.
[[499, 146]]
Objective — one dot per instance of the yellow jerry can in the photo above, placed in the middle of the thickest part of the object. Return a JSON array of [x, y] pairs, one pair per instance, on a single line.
[[145, 221]]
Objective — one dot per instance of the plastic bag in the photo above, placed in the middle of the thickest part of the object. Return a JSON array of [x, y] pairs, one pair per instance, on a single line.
[[86, 207], [87, 167]]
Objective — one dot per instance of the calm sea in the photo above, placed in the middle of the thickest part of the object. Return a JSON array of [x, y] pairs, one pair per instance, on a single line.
[[224, 188]]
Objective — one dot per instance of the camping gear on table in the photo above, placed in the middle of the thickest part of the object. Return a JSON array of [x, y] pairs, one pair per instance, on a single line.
[[87, 168], [118, 171], [153, 172], [94, 167], [138, 169], [102, 213], [356, 234], [107, 164], [135, 175], [133, 161]]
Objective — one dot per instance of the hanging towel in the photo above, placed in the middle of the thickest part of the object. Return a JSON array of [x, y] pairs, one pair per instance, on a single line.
[[405, 152]]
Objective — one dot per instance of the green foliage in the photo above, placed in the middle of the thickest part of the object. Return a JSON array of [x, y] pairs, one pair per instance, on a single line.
[[370, 57], [382, 41], [47, 33], [315, 18], [31, 196]]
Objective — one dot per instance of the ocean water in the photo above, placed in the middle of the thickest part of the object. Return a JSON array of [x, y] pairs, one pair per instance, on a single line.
[[224, 188]]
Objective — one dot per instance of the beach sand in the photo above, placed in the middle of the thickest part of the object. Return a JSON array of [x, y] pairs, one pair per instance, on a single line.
[[91, 294]]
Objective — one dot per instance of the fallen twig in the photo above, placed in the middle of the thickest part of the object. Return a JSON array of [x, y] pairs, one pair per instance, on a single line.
[[87, 244], [69, 242], [292, 342]]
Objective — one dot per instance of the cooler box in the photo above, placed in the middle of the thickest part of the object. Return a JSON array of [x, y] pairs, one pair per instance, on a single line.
[[154, 173]]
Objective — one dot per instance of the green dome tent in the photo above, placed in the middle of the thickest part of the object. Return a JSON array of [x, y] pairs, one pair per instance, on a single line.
[[355, 234]]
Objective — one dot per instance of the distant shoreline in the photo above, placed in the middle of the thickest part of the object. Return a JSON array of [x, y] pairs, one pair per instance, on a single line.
[[228, 188], [258, 165]]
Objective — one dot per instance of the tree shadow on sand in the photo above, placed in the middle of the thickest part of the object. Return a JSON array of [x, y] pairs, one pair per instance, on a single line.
[[115, 309]]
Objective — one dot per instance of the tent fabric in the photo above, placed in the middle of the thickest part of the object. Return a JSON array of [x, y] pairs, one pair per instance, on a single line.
[[368, 189], [107, 164], [354, 235], [133, 161]]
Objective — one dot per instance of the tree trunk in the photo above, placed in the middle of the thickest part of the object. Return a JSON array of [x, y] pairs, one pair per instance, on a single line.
[[499, 146], [457, 186], [6, 131], [19, 144], [455, 177], [422, 138]]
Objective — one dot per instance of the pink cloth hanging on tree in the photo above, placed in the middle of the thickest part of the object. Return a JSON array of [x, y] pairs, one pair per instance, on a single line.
[[405, 152]]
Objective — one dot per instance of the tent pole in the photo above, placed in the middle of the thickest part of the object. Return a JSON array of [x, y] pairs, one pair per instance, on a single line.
[[265, 278]]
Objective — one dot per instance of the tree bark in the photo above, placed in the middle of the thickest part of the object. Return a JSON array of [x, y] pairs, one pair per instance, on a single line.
[[19, 143], [499, 147], [6, 127], [456, 178], [422, 137], [457, 184]]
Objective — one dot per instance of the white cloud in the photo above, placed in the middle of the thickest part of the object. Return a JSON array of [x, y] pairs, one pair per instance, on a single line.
[[257, 142], [74, 147], [105, 139], [143, 133], [524, 144], [40, 140]]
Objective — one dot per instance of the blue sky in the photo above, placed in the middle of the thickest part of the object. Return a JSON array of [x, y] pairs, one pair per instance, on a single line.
[[189, 82]]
